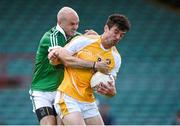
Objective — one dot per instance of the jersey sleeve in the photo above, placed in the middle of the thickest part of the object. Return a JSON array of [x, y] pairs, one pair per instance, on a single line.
[[57, 39], [78, 43], [117, 59]]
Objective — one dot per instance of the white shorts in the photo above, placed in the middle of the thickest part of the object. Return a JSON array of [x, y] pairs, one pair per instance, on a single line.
[[65, 104], [42, 99]]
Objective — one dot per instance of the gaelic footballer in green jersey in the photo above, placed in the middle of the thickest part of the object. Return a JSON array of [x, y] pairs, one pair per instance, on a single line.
[[47, 77]]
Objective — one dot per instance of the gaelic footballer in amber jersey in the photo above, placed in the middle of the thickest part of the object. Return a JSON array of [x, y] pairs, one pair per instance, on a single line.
[[76, 82]]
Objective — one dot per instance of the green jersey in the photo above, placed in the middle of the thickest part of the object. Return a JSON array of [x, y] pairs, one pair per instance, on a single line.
[[46, 76]]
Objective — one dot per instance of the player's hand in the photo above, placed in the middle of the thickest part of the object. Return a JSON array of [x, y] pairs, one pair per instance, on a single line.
[[108, 90], [102, 67], [53, 56], [90, 32]]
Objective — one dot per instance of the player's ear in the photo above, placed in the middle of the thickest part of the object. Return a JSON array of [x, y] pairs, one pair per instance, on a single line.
[[106, 28]]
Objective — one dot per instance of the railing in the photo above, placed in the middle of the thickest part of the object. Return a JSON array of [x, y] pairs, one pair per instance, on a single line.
[[17, 79]]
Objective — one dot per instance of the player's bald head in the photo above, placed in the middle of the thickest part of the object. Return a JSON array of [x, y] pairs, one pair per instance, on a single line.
[[68, 20], [65, 13]]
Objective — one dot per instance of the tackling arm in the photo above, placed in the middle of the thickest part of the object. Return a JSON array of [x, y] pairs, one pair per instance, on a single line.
[[62, 56]]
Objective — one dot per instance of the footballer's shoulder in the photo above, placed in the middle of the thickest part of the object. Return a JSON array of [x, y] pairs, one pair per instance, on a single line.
[[84, 39], [115, 49], [92, 36]]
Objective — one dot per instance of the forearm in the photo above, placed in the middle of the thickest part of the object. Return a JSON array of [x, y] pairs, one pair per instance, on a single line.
[[62, 56], [111, 90], [71, 61]]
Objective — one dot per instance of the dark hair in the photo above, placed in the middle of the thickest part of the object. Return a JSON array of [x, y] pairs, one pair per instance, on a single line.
[[120, 21]]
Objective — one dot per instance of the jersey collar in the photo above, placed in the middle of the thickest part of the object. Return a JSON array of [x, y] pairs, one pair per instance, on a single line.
[[61, 30]]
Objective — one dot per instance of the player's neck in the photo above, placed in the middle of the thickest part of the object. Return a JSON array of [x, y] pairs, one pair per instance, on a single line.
[[104, 42]]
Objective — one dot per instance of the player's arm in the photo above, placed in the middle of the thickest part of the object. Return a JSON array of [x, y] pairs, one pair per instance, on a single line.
[[90, 32], [110, 89], [107, 89], [62, 56]]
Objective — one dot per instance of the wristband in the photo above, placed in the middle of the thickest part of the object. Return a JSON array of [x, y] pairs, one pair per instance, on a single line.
[[94, 66]]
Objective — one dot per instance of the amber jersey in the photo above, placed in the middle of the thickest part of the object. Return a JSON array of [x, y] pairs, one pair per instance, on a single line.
[[76, 82]]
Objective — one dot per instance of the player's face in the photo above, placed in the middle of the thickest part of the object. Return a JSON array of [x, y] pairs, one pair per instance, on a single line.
[[114, 35], [70, 24]]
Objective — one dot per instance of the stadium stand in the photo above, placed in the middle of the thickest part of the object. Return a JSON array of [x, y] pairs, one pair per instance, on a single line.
[[148, 81]]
